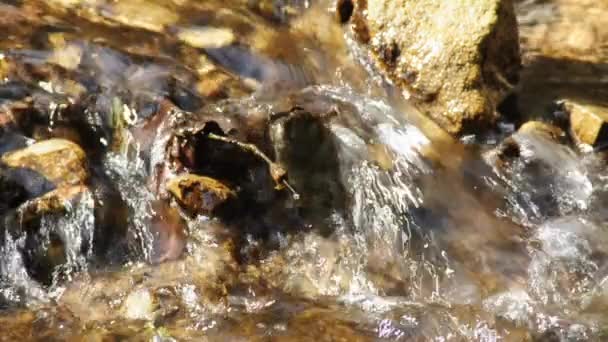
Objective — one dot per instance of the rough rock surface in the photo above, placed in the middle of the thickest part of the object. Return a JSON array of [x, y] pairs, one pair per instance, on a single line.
[[60, 161], [542, 128], [52, 202], [456, 59], [588, 123]]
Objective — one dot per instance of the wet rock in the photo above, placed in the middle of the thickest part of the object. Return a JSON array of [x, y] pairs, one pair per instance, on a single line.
[[60, 161], [54, 201], [588, 122], [222, 147], [145, 15], [199, 194], [323, 325], [10, 141], [545, 177], [18, 185], [457, 60], [218, 84], [206, 37], [194, 284], [59, 228], [43, 132], [542, 128], [277, 11]]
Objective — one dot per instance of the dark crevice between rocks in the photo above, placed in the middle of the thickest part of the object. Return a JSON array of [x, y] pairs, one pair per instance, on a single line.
[[390, 54], [345, 10], [509, 111], [307, 149]]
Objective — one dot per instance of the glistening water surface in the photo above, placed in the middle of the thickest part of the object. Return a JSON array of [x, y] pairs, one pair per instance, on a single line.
[[392, 231]]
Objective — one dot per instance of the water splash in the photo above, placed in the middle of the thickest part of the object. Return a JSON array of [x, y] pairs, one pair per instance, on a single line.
[[75, 229], [130, 177], [16, 285]]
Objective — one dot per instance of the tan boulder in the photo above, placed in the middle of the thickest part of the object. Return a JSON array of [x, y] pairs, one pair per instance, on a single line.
[[544, 129], [455, 59], [60, 161], [588, 122]]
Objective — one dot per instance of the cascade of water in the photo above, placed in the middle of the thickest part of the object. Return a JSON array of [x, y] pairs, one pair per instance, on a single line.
[[130, 177]]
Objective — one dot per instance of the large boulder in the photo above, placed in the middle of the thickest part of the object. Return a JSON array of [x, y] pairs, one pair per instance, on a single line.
[[455, 59]]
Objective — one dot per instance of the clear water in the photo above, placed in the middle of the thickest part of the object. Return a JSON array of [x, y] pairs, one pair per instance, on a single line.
[[398, 234]]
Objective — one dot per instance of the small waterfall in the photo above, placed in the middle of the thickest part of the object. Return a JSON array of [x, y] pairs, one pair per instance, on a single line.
[[75, 229], [16, 286], [130, 177]]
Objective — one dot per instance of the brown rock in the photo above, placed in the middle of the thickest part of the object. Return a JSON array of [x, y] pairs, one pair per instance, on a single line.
[[51, 202], [60, 161], [456, 59], [542, 128], [588, 122], [199, 194]]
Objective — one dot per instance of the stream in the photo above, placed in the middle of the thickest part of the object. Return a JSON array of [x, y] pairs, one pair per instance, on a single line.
[[377, 226]]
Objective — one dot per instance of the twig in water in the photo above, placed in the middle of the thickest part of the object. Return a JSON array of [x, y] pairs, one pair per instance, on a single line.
[[278, 173]]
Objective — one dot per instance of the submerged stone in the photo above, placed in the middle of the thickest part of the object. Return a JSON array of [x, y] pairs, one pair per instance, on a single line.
[[145, 15], [456, 59], [139, 304], [544, 177], [54, 201], [207, 37]]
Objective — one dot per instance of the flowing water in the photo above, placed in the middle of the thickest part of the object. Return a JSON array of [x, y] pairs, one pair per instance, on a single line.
[[396, 233]]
